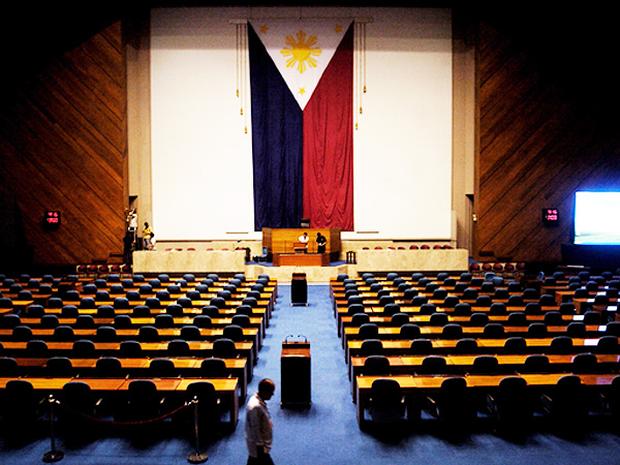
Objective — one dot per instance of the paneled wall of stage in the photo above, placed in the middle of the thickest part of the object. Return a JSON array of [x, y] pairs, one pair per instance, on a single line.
[[202, 160], [62, 140], [548, 126]]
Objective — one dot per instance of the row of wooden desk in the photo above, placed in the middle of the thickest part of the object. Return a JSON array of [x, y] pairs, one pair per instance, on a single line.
[[226, 388]]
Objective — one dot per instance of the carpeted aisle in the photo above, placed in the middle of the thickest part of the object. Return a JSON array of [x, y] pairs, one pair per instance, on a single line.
[[327, 433]]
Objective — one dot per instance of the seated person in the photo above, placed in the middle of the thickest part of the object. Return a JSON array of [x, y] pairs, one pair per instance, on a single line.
[[303, 240]]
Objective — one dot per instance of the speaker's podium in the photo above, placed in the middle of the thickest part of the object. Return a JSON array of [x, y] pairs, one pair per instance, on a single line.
[[295, 372], [299, 289]]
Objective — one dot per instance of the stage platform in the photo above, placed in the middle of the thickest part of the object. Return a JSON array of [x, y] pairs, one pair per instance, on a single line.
[[233, 261]]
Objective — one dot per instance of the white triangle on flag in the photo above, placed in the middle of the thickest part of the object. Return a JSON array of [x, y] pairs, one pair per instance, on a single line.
[[301, 49]]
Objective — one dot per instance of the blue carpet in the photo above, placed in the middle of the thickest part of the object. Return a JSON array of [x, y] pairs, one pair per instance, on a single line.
[[327, 433]]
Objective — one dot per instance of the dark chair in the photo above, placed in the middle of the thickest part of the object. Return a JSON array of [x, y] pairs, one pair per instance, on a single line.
[[83, 348], [63, 333], [368, 331], [371, 347], [162, 295], [243, 310], [421, 347], [164, 320], [106, 334], [191, 332], [567, 308], [433, 365], [242, 321], [84, 322], [102, 296], [452, 406], [233, 332], [78, 403], [466, 346], [553, 318], [9, 367], [153, 303], [19, 408], [515, 345], [511, 406], [185, 302], [515, 301], [211, 311], [532, 308], [420, 301], [391, 309], [452, 331], [148, 333], [22, 333], [174, 310], [203, 321], [141, 311], [37, 348], [438, 319], [439, 294], [409, 331], [358, 319], [10, 321], [87, 303], [49, 321], [462, 309], [591, 317], [386, 404], [585, 363], [576, 329], [35, 311], [162, 368], [143, 400], [483, 301], [613, 328], [108, 367], [566, 405], [208, 407], [130, 349], [537, 330], [376, 365], [178, 348], [478, 319], [561, 345], [54, 302], [485, 365], [213, 368], [59, 367], [121, 303], [536, 363], [224, 348], [122, 321], [105, 311], [607, 345], [494, 330]]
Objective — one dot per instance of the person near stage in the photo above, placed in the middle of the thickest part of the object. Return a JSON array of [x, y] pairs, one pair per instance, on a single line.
[[147, 237], [304, 239], [258, 425], [321, 242]]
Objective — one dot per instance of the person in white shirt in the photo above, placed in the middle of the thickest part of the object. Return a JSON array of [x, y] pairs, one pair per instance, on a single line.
[[258, 426], [304, 239]]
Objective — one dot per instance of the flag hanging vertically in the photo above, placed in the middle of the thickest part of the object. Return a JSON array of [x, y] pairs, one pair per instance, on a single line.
[[301, 77]]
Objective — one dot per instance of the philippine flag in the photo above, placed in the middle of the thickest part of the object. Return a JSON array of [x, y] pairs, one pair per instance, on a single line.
[[301, 78]]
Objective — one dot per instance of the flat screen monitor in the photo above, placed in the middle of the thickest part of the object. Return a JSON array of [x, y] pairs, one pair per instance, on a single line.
[[597, 218]]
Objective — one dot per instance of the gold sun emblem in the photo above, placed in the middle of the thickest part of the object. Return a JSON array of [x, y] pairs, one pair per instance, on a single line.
[[301, 51]]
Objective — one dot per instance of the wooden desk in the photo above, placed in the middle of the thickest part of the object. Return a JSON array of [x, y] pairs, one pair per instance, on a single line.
[[425, 385]]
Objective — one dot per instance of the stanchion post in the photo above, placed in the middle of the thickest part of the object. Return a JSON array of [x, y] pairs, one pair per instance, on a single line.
[[196, 456], [52, 455]]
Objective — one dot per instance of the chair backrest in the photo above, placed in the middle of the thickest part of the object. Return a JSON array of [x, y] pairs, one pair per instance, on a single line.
[[494, 330], [63, 333], [536, 363], [359, 319], [371, 347], [141, 311], [607, 345], [438, 319], [433, 365], [174, 310], [585, 363], [452, 331], [8, 366], [105, 311], [59, 367], [178, 348], [211, 311], [537, 329], [485, 364], [409, 331], [376, 365], [203, 321], [49, 321], [85, 322], [561, 345], [242, 321], [466, 346], [37, 348], [164, 320], [106, 333], [224, 348], [368, 331], [191, 332], [148, 333], [478, 319], [385, 396], [108, 367], [130, 349], [462, 308], [22, 333], [233, 332], [162, 367], [515, 345], [83, 348], [213, 367], [421, 347]]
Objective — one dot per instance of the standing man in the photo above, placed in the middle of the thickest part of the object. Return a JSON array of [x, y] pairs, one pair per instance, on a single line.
[[258, 426], [321, 242], [304, 240]]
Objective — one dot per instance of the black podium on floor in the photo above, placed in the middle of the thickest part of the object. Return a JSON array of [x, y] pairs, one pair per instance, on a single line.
[[299, 289], [295, 372]]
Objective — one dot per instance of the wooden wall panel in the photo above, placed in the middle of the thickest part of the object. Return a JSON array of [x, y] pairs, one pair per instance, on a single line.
[[539, 143], [63, 146]]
